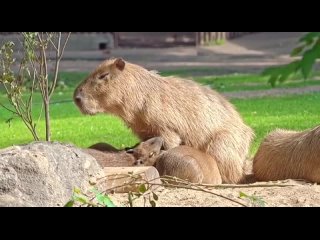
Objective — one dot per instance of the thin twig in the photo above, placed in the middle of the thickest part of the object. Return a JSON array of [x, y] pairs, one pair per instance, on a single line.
[[249, 185], [59, 55], [64, 45], [188, 185]]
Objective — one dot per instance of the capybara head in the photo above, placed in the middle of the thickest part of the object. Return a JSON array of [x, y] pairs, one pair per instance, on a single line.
[[102, 88], [146, 152]]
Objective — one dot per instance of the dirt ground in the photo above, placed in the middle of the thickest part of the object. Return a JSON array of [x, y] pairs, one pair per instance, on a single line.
[[286, 193], [249, 54]]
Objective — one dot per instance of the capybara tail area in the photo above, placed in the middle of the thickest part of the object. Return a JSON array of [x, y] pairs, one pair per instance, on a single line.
[[230, 154]]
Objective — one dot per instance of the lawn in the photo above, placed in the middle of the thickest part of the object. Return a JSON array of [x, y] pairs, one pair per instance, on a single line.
[[68, 125]]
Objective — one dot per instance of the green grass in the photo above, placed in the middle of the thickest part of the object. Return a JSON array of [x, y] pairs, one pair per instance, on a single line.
[[68, 125], [250, 83], [288, 112], [240, 82]]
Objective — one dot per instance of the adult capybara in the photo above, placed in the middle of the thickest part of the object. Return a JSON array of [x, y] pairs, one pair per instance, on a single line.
[[179, 110], [289, 155], [183, 162]]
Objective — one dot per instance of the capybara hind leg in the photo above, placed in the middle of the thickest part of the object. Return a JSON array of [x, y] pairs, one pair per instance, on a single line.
[[230, 164]]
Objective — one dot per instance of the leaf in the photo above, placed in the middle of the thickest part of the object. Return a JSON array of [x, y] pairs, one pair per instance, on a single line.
[[260, 202], [100, 198], [255, 200], [152, 203], [81, 199], [309, 37], [308, 61], [270, 71], [297, 51], [272, 80], [142, 188], [281, 73], [243, 195], [155, 196], [69, 204], [104, 200], [108, 202], [77, 190]]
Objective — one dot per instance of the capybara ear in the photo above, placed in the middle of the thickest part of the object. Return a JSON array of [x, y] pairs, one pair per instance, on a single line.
[[120, 64], [130, 151], [156, 141]]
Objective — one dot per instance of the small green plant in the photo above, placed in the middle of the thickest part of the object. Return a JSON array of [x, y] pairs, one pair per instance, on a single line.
[[32, 74], [254, 200], [308, 51], [144, 191], [79, 198]]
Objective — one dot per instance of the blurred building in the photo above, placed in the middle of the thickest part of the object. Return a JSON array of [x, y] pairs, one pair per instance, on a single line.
[[87, 41]]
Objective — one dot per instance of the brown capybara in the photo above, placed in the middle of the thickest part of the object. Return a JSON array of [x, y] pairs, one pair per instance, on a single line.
[[181, 111], [104, 147], [289, 155], [118, 158], [183, 162]]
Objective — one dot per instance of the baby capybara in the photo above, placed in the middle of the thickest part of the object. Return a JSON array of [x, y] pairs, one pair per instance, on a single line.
[[183, 162]]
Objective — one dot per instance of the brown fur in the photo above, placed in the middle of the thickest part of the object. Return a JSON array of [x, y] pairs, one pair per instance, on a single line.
[[104, 147], [111, 158], [180, 111], [183, 162], [289, 155]]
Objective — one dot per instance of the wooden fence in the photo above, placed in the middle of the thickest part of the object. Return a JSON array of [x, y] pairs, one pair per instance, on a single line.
[[203, 38]]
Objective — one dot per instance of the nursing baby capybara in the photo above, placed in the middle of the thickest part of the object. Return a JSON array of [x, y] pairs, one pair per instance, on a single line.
[[179, 110], [289, 155], [183, 162]]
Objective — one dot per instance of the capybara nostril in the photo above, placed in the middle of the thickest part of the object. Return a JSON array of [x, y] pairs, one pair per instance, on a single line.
[[78, 96], [77, 99]]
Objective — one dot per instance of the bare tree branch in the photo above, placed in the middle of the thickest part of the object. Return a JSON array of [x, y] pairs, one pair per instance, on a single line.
[[59, 54]]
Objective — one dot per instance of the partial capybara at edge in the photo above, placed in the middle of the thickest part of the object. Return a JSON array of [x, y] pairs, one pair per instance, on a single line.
[[289, 155], [179, 110], [183, 162]]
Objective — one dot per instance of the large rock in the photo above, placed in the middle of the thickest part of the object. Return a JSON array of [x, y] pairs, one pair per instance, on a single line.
[[44, 174]]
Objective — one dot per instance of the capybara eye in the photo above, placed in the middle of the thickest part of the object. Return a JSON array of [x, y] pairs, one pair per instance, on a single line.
[[102, 76], [151, 154]]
